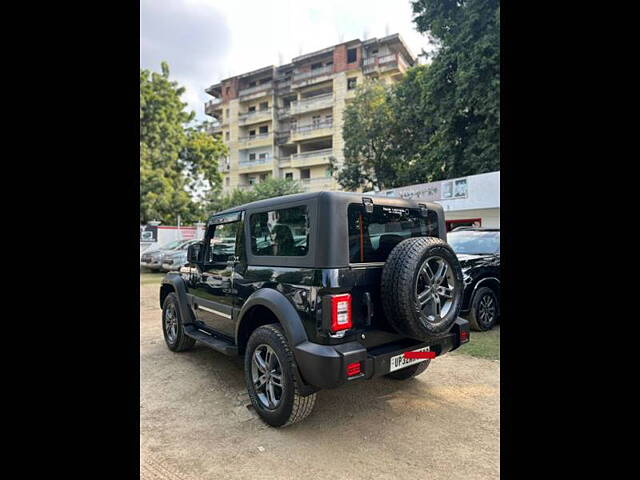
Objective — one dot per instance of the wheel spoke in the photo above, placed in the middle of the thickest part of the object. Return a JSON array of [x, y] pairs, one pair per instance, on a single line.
[[259, 361], [271, 394], [276, 379], [446, 292], [260, 382], [441, 272], [425, 297]]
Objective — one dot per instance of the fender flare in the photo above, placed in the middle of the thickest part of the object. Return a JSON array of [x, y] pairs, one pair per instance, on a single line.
[[176, 281], [282, 308]]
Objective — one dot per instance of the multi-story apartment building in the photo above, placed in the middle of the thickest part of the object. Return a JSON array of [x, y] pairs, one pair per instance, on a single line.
[[286, 121]]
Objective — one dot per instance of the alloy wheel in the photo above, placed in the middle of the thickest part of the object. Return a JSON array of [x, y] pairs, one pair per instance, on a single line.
[[171, 323], [435, 288], [266, 375], [487, 309]]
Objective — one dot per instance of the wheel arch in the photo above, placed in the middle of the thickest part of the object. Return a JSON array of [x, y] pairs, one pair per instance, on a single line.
[[269, 306], [173, 283]]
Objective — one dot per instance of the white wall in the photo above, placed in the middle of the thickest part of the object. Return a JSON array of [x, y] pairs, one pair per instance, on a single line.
[[490, 216], [169, 234]]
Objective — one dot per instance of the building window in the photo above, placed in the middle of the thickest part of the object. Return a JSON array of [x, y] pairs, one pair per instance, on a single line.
[[288, 176], [351, 83], [252, 133], [352, 55], [264, 105], [315, 66], [305, 173], [328, 118], [315, 121], [252, 108], [252, 156], [265, 80], [283, 233], [264, 129], [226, 136], [262, 156], [252, 84], [227, 181], [252, 180]]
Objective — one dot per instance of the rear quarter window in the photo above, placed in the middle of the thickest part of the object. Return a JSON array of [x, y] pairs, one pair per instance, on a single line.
[[372, 236], [282, 233]]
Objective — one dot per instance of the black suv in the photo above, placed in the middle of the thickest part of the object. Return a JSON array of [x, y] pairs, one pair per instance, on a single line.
[[316, 290]]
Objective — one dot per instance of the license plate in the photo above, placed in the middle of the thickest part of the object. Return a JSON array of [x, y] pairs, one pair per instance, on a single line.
[[399, 361]]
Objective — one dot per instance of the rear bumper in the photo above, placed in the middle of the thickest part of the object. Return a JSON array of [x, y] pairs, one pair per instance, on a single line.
[[325, 366]]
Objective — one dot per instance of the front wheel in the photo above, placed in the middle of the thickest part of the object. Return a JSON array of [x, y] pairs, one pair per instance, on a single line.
[[173, 326], [269, 374]]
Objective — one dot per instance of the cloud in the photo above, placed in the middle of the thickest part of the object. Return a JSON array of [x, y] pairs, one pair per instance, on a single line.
[[205, 41]]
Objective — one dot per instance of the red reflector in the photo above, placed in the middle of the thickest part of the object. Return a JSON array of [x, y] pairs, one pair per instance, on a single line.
[[464, 336], [353, 369], [340, 312], [419, 354]]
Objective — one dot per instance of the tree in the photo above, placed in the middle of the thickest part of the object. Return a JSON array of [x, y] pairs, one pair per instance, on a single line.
[[176, 160], [458, 95], [368, 153], [269, 188]]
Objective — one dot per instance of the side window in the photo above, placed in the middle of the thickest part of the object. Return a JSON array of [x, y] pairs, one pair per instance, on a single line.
[[282, 232], [222, 245]]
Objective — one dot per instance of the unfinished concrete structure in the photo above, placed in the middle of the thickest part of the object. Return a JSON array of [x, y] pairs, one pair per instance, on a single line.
[[286, 121]]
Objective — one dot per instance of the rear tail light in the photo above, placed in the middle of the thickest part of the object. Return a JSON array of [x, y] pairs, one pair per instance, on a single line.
[[464, 336], [341, 312], [353, 369]]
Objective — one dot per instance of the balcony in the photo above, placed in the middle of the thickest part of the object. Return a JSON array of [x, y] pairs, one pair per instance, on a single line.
[[283, 137], [302, 79], [311, 104], [255, 92], [247, 118], [215, 129], [259, 140], [284, 161], [212, 105], [317, 184], [384, 63], [254, 166], [309, 159], [313, 130]]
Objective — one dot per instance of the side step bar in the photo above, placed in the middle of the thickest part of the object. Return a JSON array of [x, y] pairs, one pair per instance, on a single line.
[[217, 343]]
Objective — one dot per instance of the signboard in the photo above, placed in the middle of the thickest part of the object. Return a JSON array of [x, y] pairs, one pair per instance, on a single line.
[[432, 192], [148, 234]]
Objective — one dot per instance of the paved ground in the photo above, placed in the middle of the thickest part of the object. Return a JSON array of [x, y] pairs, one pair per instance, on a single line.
[[195, 424]]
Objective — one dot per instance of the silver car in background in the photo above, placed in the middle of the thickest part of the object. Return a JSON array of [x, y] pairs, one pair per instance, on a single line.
[[152, 259], [174, 259]]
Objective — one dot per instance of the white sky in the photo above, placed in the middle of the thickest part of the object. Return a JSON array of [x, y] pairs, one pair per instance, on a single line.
[[205, 41]]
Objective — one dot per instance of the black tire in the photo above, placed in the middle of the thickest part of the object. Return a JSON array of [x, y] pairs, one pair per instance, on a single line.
[[485, 310], [403, 278], [180, 341], [409, 372], [291, 407]]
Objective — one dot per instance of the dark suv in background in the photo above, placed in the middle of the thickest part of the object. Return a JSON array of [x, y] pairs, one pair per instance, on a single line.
[[478, 250], [316, 290]]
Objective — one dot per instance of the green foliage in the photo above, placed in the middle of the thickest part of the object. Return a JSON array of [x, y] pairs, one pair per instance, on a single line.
[[174, 158], [368, 153], [440, 121], [460, 101], [269, 188]]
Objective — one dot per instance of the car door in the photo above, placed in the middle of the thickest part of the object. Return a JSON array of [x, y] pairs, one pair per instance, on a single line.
[[213, 289]]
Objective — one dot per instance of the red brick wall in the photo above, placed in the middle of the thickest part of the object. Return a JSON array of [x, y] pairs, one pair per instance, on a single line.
[[233, 89], [340, 58]]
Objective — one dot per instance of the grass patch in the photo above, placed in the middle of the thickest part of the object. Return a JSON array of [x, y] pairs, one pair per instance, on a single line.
[[482, 345], [147, 278]]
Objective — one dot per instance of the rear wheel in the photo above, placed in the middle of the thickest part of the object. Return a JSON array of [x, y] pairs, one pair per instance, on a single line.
[[484, 310], [409, 372], [269, 374]]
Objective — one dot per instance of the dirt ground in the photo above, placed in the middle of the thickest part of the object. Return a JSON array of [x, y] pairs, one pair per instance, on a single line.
[[195, 424]]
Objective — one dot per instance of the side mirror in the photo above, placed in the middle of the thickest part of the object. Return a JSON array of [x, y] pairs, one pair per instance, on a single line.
[[194, 252]]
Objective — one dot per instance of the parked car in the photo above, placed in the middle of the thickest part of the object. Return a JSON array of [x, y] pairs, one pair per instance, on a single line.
[[174, 259], [478, 250], [317, 290], [152, 259]]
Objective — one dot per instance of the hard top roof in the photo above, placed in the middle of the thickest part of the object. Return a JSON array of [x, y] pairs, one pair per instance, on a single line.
[[329, 195]]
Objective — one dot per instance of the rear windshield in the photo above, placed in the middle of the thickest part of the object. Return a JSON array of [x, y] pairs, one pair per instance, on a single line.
[[372, 236]]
